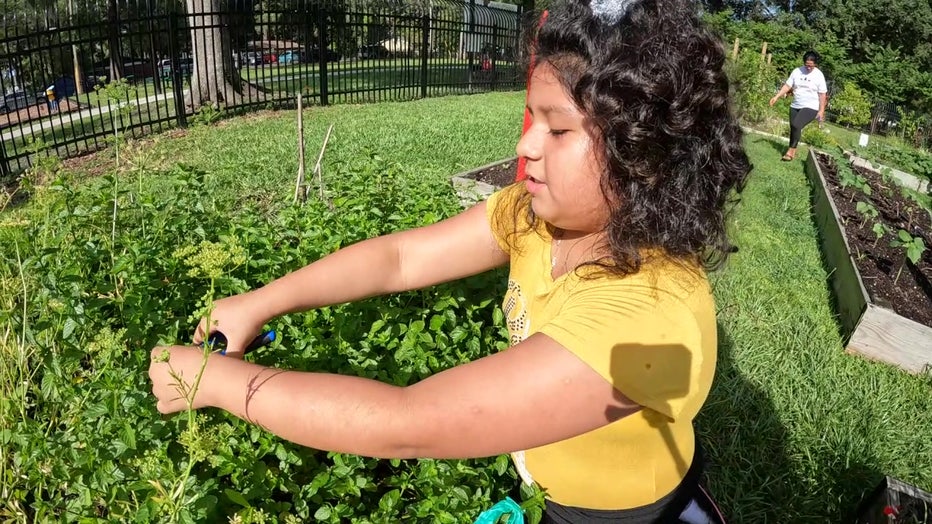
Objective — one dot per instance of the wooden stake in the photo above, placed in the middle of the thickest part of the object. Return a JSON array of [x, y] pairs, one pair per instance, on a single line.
[[763, 52], [734, 50], [317, 166], [300, 181], [769, 58]]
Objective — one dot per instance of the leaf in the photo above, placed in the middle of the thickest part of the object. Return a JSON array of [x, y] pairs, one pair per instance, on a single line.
[[915, 249], [459, 334], [389, 500], [236, 497], [68, 329], [322, 513], [460, 494], [534, 514]]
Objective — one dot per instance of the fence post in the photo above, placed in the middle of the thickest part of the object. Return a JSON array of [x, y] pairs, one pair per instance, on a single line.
[[494, 56], [177, 81], [321, 51], [4, 168], [425, 52]]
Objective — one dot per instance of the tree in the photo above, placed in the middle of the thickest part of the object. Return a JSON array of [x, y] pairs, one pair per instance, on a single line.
[[215, 80], [850, 106]]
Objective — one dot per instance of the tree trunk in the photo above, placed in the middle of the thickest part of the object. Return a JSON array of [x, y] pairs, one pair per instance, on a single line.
[[215, 79], [116, 51]]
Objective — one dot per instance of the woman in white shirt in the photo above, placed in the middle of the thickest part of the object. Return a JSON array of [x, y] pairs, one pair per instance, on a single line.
[[810, 95]]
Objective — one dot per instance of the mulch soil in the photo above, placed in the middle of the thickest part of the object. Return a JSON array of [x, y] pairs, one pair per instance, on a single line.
[[877, 261], [499, 175]]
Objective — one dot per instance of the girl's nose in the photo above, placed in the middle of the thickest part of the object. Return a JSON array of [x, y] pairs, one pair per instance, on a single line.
[[530, 145]]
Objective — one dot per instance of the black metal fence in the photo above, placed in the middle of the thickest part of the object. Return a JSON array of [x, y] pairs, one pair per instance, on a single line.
[[168, 62]]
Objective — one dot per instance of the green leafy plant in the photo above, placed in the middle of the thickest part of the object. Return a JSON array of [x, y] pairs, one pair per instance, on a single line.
[[753, 79], [206, 115], [850, 106], [880, 229], [817, 137], [912, 246], [867, 211]]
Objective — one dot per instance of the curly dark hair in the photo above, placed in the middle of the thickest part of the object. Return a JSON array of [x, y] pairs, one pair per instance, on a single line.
[[654, 86], [812, 55]]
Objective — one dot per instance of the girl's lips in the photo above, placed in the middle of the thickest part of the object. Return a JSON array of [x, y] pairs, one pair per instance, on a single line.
[[533, 185]]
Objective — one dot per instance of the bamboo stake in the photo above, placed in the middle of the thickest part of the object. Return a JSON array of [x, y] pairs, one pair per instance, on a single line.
[[300, 181], [769, 58], [734, 50], [317, 168], [763, 52]]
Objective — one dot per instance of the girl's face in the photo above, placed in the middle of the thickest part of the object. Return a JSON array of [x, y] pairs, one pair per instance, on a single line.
[[563, 169]]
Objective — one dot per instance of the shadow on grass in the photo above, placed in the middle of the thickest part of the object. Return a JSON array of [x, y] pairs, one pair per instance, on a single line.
[[754, 471]]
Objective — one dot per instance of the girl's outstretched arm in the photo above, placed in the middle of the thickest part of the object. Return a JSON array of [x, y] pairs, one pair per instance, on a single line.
[[535, 393], [454, 248]]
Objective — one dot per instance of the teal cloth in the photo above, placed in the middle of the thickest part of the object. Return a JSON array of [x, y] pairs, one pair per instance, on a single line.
[[496, 512]]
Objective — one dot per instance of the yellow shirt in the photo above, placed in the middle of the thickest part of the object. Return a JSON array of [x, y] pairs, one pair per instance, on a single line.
[[652, 335]]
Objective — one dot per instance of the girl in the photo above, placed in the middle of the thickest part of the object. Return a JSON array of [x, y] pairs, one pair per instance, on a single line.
[[632, 156]]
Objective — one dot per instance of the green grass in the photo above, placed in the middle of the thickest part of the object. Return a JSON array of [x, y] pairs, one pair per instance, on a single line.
[[433, 137], [795, 430]]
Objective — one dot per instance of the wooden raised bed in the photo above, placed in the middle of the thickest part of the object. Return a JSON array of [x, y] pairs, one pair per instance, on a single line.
[[477, 184], [871, 330], [895, 501]]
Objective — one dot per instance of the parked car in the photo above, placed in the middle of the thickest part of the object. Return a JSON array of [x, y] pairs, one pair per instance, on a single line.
[[291, 57], [373, 51], [252, 58], [269, 58], [14, 102], [134, 69], [185, 67], [313, 55]]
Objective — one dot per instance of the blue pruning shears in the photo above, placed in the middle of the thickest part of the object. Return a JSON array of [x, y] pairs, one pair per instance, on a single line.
[[218, 340]]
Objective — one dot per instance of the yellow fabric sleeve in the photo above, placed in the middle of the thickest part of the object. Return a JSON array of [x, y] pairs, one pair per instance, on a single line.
[[642, 340]]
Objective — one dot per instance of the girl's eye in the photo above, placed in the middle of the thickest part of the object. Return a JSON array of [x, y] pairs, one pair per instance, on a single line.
[[558, 132]]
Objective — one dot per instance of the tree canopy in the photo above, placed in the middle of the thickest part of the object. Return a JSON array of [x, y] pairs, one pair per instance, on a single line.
[[884, 48]]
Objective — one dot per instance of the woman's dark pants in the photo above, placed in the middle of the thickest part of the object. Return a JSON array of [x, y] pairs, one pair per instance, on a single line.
[[798, 120]]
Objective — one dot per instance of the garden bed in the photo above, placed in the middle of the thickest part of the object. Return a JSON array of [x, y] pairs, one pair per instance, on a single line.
[[477, 184], [884, 298]]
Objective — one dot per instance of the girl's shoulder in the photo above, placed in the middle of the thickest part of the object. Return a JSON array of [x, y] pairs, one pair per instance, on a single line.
[[660, 281], [510, 217]]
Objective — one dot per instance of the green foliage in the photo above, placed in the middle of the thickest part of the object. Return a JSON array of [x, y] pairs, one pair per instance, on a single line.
[[94, 310], [817, 137], [911, 126], [850, 106], [867, 211], [901, 156], [753, 79], [206, 115], [913, 248], [847, 177]]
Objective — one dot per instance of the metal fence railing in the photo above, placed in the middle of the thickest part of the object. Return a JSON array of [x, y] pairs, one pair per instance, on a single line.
[[254, 54]]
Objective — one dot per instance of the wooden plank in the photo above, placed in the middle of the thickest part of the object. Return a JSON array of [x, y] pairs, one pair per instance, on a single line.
[[469, 190], [884, 335], [850, 294]]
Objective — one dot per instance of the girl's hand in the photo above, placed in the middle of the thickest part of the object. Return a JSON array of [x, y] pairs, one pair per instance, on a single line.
[[173, 371], [234, 317], [774, 100]]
